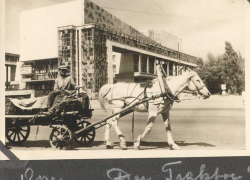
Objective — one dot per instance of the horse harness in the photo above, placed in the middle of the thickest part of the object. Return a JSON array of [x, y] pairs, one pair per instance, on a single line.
[[169, 94]]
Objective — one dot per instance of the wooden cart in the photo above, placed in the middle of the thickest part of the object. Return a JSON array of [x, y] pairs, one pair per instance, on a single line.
[[70, 119]]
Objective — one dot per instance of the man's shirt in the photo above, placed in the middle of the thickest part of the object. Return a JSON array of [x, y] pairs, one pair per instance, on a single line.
[[64, 83]]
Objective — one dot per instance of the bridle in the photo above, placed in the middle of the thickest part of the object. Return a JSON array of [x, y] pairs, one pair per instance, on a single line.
[[198, 87]]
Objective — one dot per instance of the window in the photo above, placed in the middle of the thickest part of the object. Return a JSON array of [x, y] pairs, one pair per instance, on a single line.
[[170, 68], [151, 65], [144, 63], [136, 62], [114, 58]]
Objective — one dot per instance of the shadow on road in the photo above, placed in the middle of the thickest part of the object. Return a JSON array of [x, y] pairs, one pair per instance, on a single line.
[[45, 144], [156, 145], [182, 143], [144, 145]]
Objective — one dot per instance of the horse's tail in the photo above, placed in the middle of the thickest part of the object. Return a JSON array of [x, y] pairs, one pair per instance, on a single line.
[[103, 95]]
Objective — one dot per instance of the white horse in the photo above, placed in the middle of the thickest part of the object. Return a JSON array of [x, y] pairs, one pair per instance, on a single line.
[[121, 95]]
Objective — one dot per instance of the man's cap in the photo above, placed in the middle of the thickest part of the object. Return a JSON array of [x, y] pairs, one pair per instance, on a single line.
[[62, 67]]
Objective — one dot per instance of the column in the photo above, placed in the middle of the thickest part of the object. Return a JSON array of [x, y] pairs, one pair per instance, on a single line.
[[139, 64], [110, 62], [168, 69], [6, 67], [77, 59], [155, 66], [148, 64], [80, 59], [177, 69], [9, 73]]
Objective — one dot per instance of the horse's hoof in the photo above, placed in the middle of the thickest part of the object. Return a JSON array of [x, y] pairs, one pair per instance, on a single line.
[[174, 147], [137, 146], [123, 146], [137, 143], [109, 145]]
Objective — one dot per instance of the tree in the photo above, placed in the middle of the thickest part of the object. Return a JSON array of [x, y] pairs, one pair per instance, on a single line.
[[233, 67], [228, 69], [212, 73]]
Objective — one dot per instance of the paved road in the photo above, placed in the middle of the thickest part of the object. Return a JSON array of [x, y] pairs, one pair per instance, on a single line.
[[217, 123]]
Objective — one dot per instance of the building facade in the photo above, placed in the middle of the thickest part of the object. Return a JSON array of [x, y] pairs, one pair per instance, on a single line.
[[39, 75], [85, 41], [12, 89], [10, 70]]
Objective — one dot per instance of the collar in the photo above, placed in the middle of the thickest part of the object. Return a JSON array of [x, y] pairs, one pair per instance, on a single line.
[[169, 94]]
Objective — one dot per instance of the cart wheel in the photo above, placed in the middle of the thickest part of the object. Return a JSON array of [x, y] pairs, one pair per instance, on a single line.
[[87, 137], [17, 135], [60, 138]]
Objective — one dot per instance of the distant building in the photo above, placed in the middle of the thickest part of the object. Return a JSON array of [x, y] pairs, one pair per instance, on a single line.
[[165, 39], [96, 46]]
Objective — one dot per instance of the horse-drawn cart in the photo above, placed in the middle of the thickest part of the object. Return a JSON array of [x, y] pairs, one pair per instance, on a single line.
[[73, 115]]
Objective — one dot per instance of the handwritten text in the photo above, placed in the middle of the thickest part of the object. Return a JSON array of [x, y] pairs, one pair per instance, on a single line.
[[168, 174], [29, 173]]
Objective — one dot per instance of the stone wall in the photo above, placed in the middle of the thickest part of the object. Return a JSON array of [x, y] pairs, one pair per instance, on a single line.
[[95, 14]]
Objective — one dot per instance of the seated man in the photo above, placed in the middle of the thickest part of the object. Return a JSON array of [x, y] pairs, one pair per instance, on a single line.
[[64, 85]]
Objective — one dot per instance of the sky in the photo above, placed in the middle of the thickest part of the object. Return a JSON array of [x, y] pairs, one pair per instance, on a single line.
[[203, 25]]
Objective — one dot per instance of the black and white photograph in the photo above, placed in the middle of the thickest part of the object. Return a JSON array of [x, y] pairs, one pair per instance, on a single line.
[[123, 78]]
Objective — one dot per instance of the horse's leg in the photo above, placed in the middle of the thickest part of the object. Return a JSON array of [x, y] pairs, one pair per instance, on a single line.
[[117, 130], [151, 118], [107, 130], [166, 120]]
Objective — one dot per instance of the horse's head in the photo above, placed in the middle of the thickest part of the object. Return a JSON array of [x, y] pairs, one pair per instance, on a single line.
[[197, 85]]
